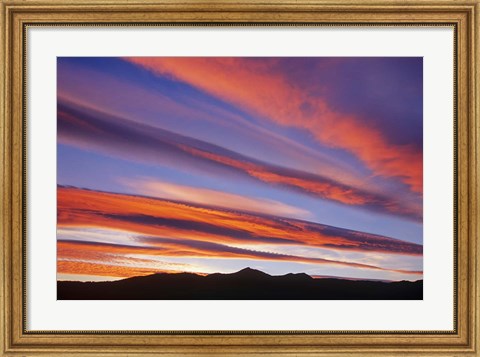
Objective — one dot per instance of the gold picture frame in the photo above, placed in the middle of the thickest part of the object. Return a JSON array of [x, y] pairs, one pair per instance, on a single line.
[[18, 15]]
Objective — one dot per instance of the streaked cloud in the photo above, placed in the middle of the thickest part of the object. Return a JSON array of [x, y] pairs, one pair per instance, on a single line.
[[196, 195], [275, 98], [169, 219], [100, 268], [211, 165], [93, 130], [118, 255], [109, 94]]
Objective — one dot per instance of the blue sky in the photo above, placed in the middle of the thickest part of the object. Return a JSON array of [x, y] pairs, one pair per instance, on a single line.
[[331, 141]]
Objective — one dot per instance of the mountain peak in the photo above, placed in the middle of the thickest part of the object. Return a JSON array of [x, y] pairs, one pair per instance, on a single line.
[[297, 276], [251, 272]]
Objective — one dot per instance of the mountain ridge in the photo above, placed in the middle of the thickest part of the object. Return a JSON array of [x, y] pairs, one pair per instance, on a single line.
[[246, 284]]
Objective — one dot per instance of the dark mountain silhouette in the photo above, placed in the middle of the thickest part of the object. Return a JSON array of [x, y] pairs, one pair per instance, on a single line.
[[246, 284]]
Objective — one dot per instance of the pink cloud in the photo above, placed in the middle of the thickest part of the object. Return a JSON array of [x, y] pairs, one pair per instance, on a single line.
[[167, 190], [256, 88]]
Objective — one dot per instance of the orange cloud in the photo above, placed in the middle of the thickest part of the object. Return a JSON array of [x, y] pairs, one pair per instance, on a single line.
[[78, 127], [256, 87], [323, 189], [110, 256], [111, 260], [102, 269], [148, 216]]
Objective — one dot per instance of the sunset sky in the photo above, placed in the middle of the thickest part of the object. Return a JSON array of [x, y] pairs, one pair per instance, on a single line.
[[215, 164]]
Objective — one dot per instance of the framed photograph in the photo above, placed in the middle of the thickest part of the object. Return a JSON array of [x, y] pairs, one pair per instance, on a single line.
[[283, 178]]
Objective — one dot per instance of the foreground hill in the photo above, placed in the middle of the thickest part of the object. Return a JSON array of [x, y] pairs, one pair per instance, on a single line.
[[247, 284]]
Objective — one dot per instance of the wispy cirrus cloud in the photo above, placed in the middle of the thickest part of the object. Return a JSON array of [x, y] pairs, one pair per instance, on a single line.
[[275, 98], [186, 112], [92, 268], [123, 256], [93, 130], [209, 197], [170, 219]]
